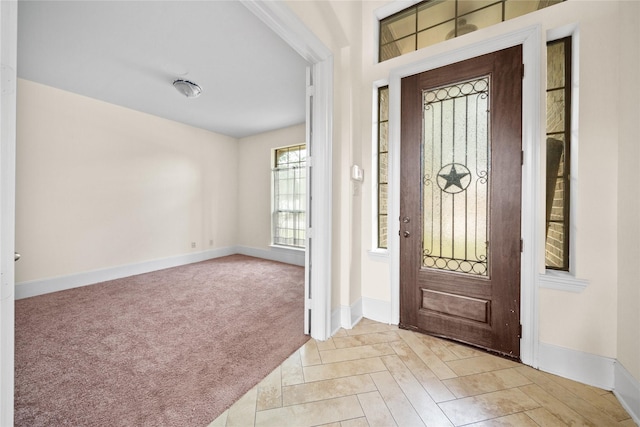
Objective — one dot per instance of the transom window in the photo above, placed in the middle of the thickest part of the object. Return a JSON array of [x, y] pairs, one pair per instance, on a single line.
[[289, 196], [433, 21]]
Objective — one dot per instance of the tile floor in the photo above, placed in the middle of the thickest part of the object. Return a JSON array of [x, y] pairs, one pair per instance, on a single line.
[[379, 375]]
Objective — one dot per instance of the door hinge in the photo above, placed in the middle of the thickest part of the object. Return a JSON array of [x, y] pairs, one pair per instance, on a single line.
[[521, 245], [521, 157], [523, 71], [520, 331]]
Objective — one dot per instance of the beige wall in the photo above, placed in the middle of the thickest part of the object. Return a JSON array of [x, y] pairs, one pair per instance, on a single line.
[[100, 186], [629, 191], [587, 321], [254, 183]]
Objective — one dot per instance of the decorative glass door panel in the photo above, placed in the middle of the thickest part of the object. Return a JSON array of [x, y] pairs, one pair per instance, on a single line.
[[455, 168]]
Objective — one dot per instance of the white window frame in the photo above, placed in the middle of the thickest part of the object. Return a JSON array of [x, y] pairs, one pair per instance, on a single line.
[[557, 279], [376, 251], [273, 198]]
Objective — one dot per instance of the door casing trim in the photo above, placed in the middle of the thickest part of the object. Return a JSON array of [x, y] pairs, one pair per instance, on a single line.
[[294, 32], [531, 40]]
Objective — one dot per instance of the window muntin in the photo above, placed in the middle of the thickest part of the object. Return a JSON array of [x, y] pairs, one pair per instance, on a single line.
[[383, 165], [433, 21], [558, 140], [289, 196]]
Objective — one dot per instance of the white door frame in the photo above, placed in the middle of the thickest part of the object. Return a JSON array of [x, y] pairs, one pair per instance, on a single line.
[[287, 25], [291, 29], [8, 60], [531, 40]]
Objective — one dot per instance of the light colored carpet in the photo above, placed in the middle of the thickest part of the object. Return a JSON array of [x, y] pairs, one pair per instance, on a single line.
[[174, 347]]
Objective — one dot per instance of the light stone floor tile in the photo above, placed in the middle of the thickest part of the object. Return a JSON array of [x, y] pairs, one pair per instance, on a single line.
[[366, 339], [464, 352], [321, 390], [326, 345], [427, 409], [544, 418], [585, 409], [558, 409], [485, 382], [479, 364], [343, 369], [376, 411], [369, 328], [270, 391], [353, 353], [221, 421], [292, 370], [243, 413], [340, 333], [436, 388], [311, 414], [514, 420], [380, 375], [439, 347], [487, 406], [432, 361], [600, 399], [398, 404], [356, 422], [309, 354]]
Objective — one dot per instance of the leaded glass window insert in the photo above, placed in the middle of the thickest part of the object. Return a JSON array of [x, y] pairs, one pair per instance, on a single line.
[[289, 196], [383, 164], [433, 21], [456, 169], [558, 154]]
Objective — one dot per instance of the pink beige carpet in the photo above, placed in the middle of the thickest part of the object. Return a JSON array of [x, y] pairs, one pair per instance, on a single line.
[[174, 347]]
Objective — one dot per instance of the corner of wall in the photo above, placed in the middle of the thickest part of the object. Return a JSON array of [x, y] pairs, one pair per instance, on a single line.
[[627, 390]]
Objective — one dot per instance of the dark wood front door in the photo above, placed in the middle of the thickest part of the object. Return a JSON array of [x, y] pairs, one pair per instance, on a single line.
[[460, 201]]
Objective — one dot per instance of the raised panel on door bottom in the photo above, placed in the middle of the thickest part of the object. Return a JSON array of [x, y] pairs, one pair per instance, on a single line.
[[461, 306]]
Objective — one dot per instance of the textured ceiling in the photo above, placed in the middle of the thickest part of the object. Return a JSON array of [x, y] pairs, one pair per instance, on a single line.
[[129, 52]]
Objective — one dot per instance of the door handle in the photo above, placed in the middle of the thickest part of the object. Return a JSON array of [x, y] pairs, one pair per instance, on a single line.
[[406, 234], [16, 256]]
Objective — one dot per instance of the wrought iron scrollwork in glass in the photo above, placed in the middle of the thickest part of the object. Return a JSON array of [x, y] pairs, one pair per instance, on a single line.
[[455, 170]]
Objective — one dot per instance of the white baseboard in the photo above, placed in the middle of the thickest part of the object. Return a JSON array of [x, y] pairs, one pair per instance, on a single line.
[[55, 284], [350, 315], [627, 390], [275, 253], [377, 310], [336, 320], [576, 365]]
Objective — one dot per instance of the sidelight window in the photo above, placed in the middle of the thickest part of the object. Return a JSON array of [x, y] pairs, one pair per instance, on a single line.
[[558, 154], [289, 196], [383, 165]]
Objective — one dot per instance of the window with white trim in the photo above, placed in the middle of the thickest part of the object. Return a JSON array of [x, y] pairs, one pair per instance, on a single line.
[[558, 140], [433, 21], [289, 196], [383, 166]]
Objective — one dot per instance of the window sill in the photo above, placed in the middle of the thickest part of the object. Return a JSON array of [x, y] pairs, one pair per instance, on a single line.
[[287, 248], [379, 254], [562, 281]]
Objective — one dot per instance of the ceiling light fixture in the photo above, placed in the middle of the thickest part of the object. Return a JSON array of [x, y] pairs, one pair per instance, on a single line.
[[187, 88]]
